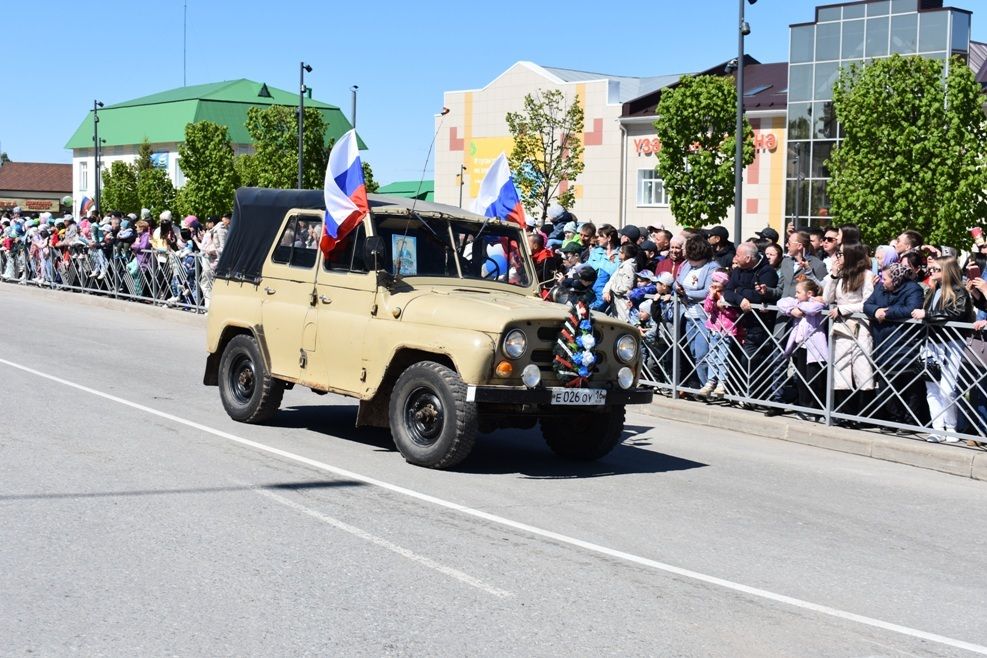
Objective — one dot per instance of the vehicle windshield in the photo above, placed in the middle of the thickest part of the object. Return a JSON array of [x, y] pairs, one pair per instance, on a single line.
[[454, 249]]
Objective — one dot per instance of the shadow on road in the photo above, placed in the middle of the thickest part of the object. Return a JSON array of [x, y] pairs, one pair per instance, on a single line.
[[281, 486], [503, 452]]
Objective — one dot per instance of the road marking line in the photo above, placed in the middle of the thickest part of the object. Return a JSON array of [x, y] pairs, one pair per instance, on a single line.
[[383, 543], [524, 527]]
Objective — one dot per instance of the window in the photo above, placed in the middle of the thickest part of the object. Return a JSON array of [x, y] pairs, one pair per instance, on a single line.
[[650, 189], [84, 176], [299, 243], [348, 256]]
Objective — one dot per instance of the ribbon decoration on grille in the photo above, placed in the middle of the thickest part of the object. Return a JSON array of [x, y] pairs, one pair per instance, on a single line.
[[574, 359]]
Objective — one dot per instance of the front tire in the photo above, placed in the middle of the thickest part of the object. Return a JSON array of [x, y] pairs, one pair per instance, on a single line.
[[249, 393], [431, 422], [584, 437]]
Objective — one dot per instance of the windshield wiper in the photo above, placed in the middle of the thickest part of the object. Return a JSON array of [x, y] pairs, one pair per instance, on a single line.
[[426, 225]]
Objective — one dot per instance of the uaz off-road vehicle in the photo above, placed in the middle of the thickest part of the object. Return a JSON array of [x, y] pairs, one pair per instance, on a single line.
[[427, 314]]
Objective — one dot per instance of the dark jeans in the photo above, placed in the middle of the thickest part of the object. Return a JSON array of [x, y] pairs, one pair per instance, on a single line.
[[909, 406], [757, 375], [811, 382]]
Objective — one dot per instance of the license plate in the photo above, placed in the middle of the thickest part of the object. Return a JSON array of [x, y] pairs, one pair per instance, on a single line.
[[579, 396]]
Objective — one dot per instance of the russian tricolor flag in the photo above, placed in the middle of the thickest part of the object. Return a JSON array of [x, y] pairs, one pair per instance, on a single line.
[[85, 206], [345, 192], [498, 197]]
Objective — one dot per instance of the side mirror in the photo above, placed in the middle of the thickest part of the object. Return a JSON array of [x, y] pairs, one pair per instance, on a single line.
[[374, 254], [373, 251]]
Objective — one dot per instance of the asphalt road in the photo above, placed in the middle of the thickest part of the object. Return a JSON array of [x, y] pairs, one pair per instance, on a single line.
[[137, 519]]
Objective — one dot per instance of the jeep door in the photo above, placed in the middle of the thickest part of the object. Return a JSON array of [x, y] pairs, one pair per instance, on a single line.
[[287, 286], [346, 297]]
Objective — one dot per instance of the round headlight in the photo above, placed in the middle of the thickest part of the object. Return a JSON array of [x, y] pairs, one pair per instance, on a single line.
[[625, 378], [626, 348], [515, 343], [531, 375]]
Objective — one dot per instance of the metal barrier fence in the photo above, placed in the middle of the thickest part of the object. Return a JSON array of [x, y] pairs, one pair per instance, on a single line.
[[921, 377], [179, 279]]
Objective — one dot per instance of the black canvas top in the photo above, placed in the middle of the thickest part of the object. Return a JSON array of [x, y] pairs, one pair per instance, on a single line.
[[258, 213], [257, 216]]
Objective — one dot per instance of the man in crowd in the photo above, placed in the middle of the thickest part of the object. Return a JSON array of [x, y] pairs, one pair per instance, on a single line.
[[676, 256], [908, 241], [723, 249], [750, 276], [800, 262], [830, 245], [630, 234], [816, 236]]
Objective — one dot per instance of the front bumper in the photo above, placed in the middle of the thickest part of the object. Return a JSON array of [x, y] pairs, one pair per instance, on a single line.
[[543, 396]]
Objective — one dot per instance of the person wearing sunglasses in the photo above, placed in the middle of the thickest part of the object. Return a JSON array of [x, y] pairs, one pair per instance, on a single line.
[[830, 245]]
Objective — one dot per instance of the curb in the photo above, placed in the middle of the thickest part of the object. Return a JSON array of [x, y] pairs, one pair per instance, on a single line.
[[955, 460], [171, 313]]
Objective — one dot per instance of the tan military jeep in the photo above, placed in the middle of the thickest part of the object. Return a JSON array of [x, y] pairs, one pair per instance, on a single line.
[[427, 314]]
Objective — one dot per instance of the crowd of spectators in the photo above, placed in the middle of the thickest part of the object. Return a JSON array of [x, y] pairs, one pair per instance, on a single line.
[[163, 259], [757, 320]]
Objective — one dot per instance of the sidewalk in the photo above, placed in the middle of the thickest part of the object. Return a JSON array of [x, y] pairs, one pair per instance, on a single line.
[[953, 459]]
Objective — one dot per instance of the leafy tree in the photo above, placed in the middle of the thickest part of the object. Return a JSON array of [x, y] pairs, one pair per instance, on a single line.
[[913, 151], [210, 177], [547, 149], [3, 158], [246, 170], [368, 178], [697, 130], [143, 161], [274, 131], [119, 191], [155, 190]]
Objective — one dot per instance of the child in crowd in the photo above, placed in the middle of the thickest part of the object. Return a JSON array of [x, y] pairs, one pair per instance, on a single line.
[[644, 288], [807, 344], [721, 320], [657, 322]]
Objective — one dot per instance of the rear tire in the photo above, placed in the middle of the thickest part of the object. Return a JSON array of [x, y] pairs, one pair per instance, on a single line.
[[584, 437], [248, 392], [432, 423]]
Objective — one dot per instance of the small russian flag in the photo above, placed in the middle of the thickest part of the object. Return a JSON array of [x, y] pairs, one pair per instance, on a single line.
[[498, 197], [85, 206], [345, 192]]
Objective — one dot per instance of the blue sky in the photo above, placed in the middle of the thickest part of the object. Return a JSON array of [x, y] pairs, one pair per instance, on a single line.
[[403, 55]]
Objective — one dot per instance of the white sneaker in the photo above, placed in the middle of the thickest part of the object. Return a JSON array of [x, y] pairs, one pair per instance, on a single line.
[[719, 391], [934, 438], [172, 299], [707, 389], [950, 439]]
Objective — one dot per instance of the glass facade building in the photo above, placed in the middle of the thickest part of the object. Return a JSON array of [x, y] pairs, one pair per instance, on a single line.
[[842, 35]]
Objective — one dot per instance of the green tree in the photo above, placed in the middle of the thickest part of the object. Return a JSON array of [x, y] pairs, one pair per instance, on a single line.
[[368, 178], [913, 150], [143, 161], [119, 191], [548, 149], [3, 158], [697, 130], [246, 170], [274, 131], [207, 162], [155, 190]]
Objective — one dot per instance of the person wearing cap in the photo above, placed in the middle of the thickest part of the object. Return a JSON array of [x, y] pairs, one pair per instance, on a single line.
[[723, 249], [650, 252], [571, 253], [646, 285], [630, 234], [622, 281], [768, 234]]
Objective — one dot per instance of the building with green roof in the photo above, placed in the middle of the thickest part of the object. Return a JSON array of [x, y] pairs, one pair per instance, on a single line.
[[161, 119], [410, 189]]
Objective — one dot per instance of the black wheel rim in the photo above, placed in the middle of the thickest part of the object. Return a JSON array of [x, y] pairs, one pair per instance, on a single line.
[[424, 416], [243, 379]]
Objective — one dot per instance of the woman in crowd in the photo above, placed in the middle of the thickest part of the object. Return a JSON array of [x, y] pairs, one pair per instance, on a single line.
[[692, 286], [949, 302], [604, 257], [848, 234], [141, 264], [845, 289], [897, 346]]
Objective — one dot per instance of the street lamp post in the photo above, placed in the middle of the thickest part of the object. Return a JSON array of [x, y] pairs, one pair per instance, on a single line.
[[353, 107], [302, 69], [743, 29], [462, 172], [96, 106]]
